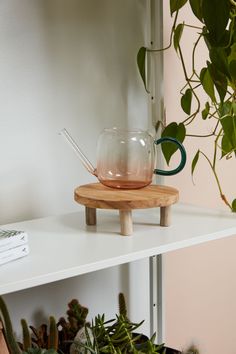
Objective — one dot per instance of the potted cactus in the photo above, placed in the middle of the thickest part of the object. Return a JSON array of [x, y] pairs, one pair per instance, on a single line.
[[75, 335], [68, 328], [10, 346]]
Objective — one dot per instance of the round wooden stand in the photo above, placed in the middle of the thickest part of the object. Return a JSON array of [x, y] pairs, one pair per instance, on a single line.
[[97, 196]]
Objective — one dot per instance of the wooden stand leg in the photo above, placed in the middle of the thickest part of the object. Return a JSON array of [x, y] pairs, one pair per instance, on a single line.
[[165, 216], [126, 223], [91, 217]]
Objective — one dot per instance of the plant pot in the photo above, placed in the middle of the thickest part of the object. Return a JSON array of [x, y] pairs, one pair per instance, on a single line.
[[143, 338], [3, 345], [171, 350]]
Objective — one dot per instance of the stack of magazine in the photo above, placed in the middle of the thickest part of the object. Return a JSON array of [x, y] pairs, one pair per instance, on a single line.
[[13, 245]]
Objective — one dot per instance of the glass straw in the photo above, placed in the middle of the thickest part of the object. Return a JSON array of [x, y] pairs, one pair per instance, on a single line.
[[87, 164]]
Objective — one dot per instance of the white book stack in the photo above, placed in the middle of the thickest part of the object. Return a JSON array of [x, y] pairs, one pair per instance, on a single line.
[[13, 245]]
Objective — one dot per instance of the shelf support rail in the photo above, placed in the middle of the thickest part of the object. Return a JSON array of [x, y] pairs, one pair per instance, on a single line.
[[156, 112], [156, 298]]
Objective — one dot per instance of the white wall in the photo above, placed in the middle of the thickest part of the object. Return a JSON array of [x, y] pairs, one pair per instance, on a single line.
[[200, 283], [64, 64]]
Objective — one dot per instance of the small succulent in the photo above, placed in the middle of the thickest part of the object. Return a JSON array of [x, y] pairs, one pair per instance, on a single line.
[[67, 329], [116, 336], [40, 351]]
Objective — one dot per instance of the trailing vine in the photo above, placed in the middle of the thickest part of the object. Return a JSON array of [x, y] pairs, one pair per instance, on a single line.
[[217, 79]]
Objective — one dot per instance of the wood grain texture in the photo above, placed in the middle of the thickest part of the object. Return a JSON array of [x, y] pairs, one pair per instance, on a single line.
[[91, 216], [126, 223], [96, 195], [165, 216]]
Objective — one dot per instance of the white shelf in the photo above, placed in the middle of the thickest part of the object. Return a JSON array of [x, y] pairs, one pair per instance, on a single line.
[[63, 246]]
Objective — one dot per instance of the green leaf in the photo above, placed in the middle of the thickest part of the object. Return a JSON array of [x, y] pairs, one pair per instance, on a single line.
[[232, 70], [176, 131], [219, 80], [216, 17], [177, 35], [234, 206], [214, 42], [194, 162], [36, 351], [205, 111], [226, 146], [196, 6], [141, 62], [229, 127], [233, 106], [186, 101], [219, 58], [175, 5], [207, 83], [225, 109], [232, 55]]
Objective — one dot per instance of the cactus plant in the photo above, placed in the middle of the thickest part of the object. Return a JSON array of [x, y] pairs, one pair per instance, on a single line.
[[53, 334], [40, 338], [116, 336], [13, 346], [43, 339], [27, 343], [76, 319], [122, 305], [8, 330]]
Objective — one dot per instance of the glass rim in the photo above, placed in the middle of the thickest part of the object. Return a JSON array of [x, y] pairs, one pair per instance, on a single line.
[[124, 130]]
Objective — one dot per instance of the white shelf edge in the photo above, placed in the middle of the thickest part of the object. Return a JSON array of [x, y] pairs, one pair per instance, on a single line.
[[130, 248]]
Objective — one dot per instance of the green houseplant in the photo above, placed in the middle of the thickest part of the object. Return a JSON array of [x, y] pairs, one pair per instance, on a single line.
[[14, 347], [116, 336], [45, 339], [217, 79]]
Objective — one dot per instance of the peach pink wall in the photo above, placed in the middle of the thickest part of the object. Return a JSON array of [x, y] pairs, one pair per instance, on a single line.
[[200, 284]]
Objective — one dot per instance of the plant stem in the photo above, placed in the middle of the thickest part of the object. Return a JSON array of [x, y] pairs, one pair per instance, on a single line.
[[206, 135], [214, 131], [189, 119], [171, 36], [200, 136], [191, 80], [223, 197], [191, 26], [189, 83], [215, 148], [193, 53]]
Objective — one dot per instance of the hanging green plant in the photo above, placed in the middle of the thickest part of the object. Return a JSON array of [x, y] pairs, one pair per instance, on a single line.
[[217, 79]]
